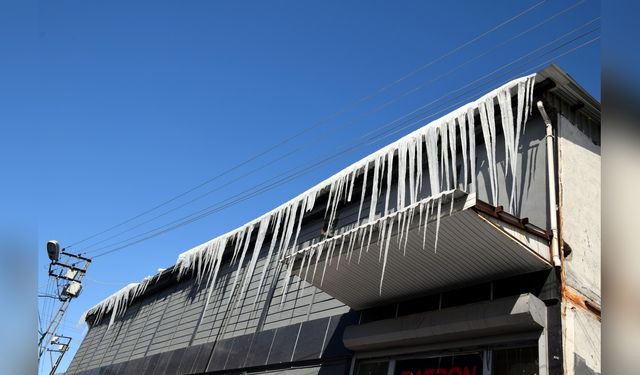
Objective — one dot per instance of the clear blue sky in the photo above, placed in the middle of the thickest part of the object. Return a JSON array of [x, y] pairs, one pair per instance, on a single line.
[[132, 103]]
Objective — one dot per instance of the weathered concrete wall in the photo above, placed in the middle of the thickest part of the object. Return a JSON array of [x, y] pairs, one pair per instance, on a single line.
[[582, 340], [580, 193]]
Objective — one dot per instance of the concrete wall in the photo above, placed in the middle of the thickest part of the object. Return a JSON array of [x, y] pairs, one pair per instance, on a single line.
[[580, 196], [582, 341], [580, 192]]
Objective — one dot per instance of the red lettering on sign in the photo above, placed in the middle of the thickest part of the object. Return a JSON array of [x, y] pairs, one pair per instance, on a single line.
[[441, 371], [473, 371], [455, 371], [405, 372], [429, 371]]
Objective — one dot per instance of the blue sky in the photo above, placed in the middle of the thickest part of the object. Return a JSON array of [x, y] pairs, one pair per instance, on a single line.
[[135, 102]]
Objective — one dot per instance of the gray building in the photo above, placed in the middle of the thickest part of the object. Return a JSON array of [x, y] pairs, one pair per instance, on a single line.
[[466, 247]]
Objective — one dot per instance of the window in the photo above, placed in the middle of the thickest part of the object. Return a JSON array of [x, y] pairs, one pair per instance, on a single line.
[[373, 368], [516, 361]]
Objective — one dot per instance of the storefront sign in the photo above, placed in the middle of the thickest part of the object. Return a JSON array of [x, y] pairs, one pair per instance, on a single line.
[[468, 364]]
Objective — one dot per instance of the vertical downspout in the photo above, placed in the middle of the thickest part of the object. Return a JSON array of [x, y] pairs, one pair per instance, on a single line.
[[551, 181]]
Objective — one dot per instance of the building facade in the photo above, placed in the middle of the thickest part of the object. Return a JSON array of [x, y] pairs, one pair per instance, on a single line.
[[440, 254]]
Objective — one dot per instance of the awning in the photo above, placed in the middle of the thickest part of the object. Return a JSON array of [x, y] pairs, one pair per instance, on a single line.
[[472, 247], [488, 319]]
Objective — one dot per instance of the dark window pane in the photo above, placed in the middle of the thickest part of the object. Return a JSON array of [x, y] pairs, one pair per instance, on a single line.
[[517, 361], [373, 368]]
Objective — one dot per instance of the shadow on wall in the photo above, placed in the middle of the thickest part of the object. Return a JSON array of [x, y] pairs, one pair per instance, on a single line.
[[580, 366]]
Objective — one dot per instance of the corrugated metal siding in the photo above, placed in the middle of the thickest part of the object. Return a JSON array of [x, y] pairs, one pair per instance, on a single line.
[[169, 320]]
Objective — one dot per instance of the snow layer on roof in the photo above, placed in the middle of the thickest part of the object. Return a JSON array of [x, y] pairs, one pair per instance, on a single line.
[[437, 141]]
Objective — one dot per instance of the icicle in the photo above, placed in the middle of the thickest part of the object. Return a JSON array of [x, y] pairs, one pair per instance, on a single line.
[[318, 255], [285, 224], [329, 205], [238, 238], [413, 195], [472, 148], [492, 131], [370, 234], [510, 140], [462, 126], [374, 190], [262, 232], [529, 100], [451, 126], [361, 233], [519, 127], [419, 163], [431, 139], [490, 147], [211, 284], [389, 179], [303, 209], [383, 231], [400, 216], [444, 139], [386, 252], [383, 165], [292, 218], [336, 201], [272, 245], [435, 247], [451, 205], [241, 261], [402, 175], [305, 259], [340, 252], [327, 260], [364, 189], [406, 236], [352, 181], [507, 128], [350, 248], [420, 207], [286, 280], [426, 221]]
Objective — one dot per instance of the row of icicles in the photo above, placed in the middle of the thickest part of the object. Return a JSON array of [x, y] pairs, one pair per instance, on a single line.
[[437, 142]]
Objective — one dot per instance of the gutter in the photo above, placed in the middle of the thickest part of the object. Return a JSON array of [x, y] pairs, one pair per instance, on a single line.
[[551, 182]]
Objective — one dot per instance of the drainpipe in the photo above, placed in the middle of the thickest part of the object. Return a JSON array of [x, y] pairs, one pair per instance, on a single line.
[[551, 181]]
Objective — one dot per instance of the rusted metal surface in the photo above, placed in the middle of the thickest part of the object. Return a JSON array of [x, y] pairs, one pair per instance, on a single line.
[[579, 300], [522, 223]]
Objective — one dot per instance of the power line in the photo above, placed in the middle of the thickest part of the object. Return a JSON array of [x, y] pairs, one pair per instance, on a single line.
[[188, 219], [318, 123], [342, 126]]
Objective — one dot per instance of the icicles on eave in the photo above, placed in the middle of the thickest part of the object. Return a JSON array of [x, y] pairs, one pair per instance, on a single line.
[[117, 303], [358, 239], [446, 147]]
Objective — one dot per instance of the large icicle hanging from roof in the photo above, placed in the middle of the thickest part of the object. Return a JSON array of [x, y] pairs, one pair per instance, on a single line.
[[438, 141]]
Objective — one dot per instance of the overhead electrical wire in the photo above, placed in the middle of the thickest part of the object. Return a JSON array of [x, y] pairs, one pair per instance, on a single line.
[[328, 118], [244, 198], [339, 127], [188, 219]]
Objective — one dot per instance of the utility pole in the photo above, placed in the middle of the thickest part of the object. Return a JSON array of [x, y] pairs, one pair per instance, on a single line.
[[67, 270]]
